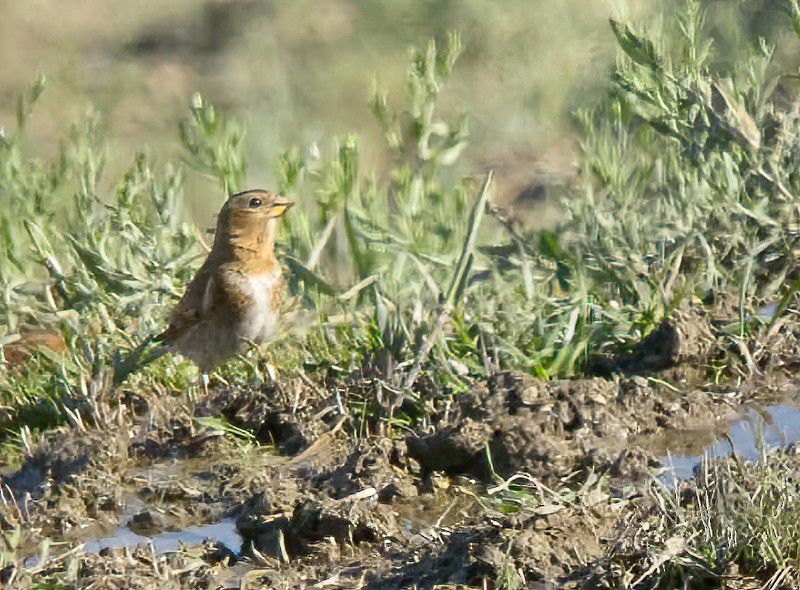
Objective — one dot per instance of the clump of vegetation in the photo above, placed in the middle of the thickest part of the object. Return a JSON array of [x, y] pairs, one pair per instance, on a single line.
[[733, 519], [685, 195]]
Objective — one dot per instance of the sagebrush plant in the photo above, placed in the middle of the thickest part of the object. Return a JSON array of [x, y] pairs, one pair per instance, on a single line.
[[103, 266], [98, 267], [685, 193], [689, 175]]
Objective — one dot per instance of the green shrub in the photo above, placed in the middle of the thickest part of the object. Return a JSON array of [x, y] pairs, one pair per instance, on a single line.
[[686, 193]]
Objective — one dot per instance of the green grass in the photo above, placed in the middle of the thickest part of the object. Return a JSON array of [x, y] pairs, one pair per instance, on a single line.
[[685, 196], [734, 520]]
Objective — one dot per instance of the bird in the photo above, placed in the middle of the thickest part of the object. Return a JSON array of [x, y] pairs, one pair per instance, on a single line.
[[18, 348], [234, 300]]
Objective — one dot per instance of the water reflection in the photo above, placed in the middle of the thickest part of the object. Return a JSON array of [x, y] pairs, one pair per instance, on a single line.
[[223, 531], [772, 426]]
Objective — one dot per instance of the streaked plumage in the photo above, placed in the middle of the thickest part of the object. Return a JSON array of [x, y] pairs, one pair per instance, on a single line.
[[235, 298]]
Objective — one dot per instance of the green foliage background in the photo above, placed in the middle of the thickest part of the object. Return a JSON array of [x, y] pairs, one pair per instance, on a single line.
[[686, 195]]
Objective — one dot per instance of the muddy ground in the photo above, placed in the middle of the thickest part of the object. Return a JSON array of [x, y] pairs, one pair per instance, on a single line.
[[516, 483]]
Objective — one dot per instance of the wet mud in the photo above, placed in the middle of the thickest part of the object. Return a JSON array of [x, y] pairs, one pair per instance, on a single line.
[[517, 481], [554, 429]]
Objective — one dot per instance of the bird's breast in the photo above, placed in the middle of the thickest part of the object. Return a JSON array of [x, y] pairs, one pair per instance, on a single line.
[[260, 296]]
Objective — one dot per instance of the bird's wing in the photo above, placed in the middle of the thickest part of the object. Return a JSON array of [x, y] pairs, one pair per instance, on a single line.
[[195, 304]]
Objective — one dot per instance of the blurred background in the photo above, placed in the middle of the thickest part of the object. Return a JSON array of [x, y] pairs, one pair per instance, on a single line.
[[298, 73]]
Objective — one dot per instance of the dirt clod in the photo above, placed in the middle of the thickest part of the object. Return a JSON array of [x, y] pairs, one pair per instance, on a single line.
[[73, 477], [552, 429]]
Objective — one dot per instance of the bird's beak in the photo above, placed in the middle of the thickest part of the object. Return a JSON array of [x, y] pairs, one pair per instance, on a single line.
[[279, 206]]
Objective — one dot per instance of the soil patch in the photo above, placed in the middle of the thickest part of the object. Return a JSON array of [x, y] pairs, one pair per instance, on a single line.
[[554, 429], [320, 499]]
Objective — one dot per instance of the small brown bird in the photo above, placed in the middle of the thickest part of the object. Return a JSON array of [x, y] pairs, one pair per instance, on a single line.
[[235, 299], [18, 348]]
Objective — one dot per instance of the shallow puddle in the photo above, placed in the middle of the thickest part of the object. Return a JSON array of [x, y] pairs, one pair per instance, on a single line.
[[223, 531], [164, 475], [771, 426]]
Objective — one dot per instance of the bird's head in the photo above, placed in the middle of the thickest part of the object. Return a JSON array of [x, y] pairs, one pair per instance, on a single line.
[[244, 220], [251, 207]]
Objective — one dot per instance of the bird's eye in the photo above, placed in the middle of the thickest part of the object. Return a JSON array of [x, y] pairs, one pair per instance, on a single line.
[[255, 202]]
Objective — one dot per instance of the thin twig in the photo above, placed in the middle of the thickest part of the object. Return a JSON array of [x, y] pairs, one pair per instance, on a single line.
[[456, 283], [508, 223], [357, 288], [427, 346], [313, 258]]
